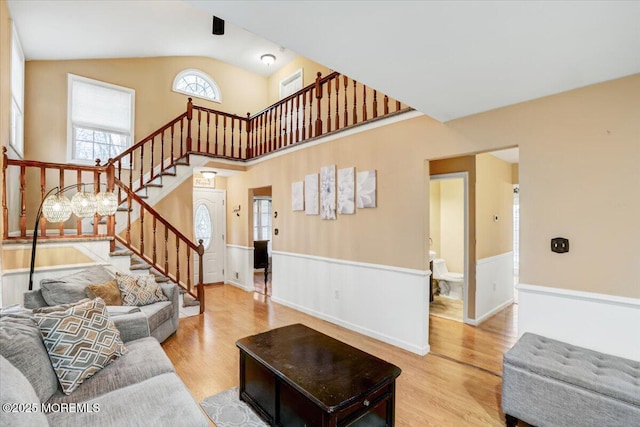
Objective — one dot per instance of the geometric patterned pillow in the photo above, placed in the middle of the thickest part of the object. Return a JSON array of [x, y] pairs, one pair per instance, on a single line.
[[80, 341], [139, 290]]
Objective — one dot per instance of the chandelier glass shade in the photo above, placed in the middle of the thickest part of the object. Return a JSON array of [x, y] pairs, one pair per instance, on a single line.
[[84, 204], [107, 203], [56, 208]]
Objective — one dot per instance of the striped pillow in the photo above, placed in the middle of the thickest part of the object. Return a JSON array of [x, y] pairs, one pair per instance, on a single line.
[[139, 290], [80, 341]]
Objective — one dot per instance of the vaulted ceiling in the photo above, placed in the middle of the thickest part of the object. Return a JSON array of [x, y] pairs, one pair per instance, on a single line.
[[448, 59]]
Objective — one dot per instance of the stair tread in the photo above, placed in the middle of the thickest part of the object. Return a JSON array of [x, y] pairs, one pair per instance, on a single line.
[[153, 184], [140, 266], [168, 173], [121, 252]]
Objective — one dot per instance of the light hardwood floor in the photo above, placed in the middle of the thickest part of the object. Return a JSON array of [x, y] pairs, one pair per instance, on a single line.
[[439, 389]]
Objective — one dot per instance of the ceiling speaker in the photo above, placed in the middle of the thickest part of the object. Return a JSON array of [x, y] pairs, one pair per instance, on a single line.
[[218, 26]]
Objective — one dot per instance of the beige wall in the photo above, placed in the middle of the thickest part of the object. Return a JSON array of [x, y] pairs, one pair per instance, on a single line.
[[309, 73], [579, 176], [452, 224], [45, 257], [152, 78], [434, 216], [5, 87], [515, 173], [494, 196]]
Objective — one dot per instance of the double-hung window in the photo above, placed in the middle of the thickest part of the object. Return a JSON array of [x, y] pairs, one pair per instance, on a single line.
[[100, 119], [262, 218]]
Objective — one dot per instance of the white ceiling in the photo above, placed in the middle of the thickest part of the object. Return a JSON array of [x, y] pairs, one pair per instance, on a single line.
[[446, 59], [127, 29]]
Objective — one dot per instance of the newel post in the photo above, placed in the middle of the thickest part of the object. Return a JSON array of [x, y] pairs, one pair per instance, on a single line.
[[248, 147], [200, 285], [189, 117], [318, 101], [111, 219]]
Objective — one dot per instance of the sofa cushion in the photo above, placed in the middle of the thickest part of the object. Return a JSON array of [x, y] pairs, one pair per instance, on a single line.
[[139, 290], [108, 291], [71, 288], [61, 307], [80, 341], [157, 313], [17, 390], [144, 359], [159, 401], [21, 344]]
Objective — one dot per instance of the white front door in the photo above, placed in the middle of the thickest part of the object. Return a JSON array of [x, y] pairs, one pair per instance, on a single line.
[[209, 224]]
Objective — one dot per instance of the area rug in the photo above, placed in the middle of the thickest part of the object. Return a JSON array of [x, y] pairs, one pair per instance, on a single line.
[[227, 410], [190, 309]]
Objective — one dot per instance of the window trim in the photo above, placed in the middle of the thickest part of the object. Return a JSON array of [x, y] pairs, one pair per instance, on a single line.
[[298, 74], [16, 108], [206, 77], [260, 225], [71, 78]]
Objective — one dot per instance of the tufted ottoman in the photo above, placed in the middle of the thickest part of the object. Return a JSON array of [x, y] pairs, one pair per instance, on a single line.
[[551, 383]]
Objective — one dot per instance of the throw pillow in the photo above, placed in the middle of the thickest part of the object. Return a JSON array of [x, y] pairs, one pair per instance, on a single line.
[[109, 292], [80, 341], [71, 288], [139, 290]]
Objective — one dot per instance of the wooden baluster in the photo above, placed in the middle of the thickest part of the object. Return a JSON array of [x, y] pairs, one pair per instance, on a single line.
[[111, 221], [200, 292], [166, 250], [328, 106], [304, 117], [240, 120], [61, 183], [272, 127], [142, 230], [177, 258], [375, 103], [199, 121], [364, 103], [141, 183], [181, 138], [5, 209], [355, 103], [337, 104], [154, 239], [79, 188], [271, 112], [188, 269], [397, 105], [285, 128], [162, 150], [208, 140], [217, 115], [232, 131], [264, 133], [23, 203], [318, 105], [224, 135], [96, 190], [189, 118], [290, 121], [248, 153], [311, 113], [345, 79], [386, 105], [43, 220], [172, 142], [128, 233], [297, 117], [151, 168]]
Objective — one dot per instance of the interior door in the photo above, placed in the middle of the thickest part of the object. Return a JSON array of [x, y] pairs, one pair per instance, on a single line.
[[209, 223]]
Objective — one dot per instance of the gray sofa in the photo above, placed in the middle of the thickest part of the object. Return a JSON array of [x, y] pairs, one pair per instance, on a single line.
[[139, 388], [162, 317]]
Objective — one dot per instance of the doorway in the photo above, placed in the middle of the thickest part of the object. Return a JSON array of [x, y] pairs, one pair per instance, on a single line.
[[209, 222], [448, 251], [262, 238]]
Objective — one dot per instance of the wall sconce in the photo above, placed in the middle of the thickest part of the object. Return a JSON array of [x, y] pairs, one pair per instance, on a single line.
[[56, 207], [236, 210], [268, 59]]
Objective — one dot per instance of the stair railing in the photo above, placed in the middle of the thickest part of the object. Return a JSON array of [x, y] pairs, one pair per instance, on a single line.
[[161, 245]]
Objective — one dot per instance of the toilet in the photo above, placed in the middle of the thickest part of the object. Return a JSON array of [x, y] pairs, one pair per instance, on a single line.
[[451, 284]]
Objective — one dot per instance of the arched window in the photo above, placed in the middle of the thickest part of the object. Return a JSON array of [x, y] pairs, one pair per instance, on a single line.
[[197, 83]]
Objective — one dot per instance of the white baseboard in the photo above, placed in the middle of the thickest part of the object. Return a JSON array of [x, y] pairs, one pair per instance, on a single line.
[[604, 323], [384, 302], [476, 322], [239, 261]]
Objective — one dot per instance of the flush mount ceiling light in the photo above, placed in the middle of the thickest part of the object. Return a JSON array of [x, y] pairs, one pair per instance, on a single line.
[[208, 174], [268, 59]]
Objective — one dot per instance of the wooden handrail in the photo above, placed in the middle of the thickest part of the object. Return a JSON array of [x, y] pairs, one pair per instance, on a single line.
[[148, 138]]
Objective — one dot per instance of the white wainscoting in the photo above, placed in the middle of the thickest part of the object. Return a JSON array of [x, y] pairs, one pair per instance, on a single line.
[[239, 269], [494, 285], [384, 302], [604, 323]]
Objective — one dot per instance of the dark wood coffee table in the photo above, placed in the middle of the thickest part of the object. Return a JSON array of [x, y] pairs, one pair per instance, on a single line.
[[296, 376]]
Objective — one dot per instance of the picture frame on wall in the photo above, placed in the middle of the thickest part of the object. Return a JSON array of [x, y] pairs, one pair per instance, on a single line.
[[366, 189], [328, 192], [346, 191], [311, 205], [297, 196]]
